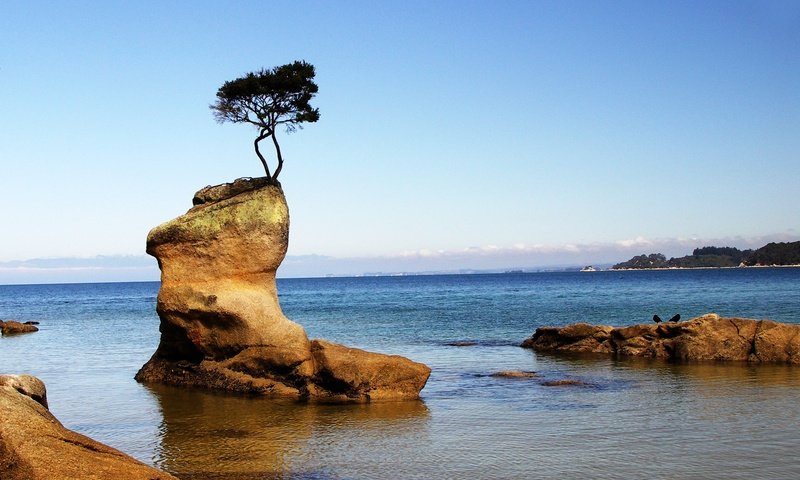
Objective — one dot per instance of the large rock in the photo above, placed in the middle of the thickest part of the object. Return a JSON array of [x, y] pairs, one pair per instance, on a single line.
[[221, 324], [11, 327], [708, 337], [35, 446]]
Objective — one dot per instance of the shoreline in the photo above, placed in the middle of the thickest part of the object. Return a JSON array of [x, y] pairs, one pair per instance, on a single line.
[[697, 268]]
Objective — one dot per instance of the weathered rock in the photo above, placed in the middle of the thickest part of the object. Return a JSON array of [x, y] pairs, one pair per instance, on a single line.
[[35, 446], [11, 327], [221, 324], [215, 193], [349, 373], [580, 337], [708, 337], [27, 385]]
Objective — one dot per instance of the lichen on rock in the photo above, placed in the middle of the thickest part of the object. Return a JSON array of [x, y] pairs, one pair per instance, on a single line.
[[221, 323]]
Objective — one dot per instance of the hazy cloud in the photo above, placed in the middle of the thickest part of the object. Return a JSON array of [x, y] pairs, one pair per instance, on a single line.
[[474, 258]]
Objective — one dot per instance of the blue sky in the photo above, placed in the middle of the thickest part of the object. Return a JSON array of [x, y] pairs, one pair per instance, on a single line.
[[453, 135]]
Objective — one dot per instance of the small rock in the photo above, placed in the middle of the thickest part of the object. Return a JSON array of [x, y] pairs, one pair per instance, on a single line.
[[11, 327]]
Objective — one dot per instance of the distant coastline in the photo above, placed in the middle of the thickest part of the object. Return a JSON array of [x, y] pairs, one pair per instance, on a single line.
[[770, 255], [699, 268]]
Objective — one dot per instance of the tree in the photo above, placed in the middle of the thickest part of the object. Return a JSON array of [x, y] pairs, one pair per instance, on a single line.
[[268, 99]]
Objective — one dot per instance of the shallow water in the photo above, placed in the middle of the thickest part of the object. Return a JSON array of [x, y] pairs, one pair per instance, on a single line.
[[625, 418]]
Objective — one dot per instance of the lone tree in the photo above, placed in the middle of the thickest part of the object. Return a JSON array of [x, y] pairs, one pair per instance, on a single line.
[[267, 99]]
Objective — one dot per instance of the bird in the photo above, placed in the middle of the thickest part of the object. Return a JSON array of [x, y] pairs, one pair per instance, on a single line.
[[656, 319], [676, 318]]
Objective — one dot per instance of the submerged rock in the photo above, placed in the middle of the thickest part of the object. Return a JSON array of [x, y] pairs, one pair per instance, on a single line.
[[11, 327], [462, 343], [221, 324], [565, 382], [35, 446], [709, 337], [515, 374]]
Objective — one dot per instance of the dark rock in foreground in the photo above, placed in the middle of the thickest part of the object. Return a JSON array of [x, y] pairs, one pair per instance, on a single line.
[[35, 446], [11, 327], [222, 327], [709, 337]]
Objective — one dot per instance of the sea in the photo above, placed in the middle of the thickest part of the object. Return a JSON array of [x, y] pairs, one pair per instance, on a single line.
[[622, 418]]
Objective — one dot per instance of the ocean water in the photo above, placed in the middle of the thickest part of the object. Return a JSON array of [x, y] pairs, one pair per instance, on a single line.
[[629, 419]]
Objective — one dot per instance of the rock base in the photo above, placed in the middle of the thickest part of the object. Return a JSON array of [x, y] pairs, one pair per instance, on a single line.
[[709, 337], [338, 374]]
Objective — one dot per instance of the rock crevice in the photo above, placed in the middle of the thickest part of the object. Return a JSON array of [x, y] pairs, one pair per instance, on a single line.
[[222, 326]]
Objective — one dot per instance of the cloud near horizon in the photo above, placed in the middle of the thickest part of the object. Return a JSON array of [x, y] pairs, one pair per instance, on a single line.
[[126, 268]]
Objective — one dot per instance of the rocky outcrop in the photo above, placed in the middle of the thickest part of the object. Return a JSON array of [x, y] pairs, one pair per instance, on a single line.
[[221, 324], [709, 337], [35, 446], [11, 327]]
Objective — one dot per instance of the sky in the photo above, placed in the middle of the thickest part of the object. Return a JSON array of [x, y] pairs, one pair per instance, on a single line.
[[454, 135]]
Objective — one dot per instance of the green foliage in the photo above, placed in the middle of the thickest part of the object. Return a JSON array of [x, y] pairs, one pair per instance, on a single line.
[[267, 99], [782, 253], [717, 257], [654, 260], [703, 261]]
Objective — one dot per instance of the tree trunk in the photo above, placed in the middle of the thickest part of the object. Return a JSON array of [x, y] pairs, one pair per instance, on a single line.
[[264, 134], [280, 157]]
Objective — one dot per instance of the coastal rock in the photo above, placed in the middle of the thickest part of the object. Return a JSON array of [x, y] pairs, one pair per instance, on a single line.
[[709, 337], [350, 373], [580, 337], [221, 324], [11, 327], [34, 445], [27, 385]]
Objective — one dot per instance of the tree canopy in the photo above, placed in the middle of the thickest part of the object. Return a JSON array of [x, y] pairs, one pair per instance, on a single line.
[[268, 99]]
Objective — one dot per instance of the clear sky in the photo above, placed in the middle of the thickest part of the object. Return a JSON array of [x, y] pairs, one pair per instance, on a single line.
[[453, 134]]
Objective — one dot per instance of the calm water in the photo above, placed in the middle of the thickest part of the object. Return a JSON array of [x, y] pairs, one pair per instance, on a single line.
[[631, 419]]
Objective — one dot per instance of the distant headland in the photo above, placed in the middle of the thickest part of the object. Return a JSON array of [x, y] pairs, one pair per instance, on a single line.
[[771, 254]]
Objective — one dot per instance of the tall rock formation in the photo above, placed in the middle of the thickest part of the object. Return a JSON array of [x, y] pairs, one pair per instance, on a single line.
[[221, 324]]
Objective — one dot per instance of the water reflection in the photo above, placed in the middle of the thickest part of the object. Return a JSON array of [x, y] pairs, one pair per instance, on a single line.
[[763, 374], [211, 436]]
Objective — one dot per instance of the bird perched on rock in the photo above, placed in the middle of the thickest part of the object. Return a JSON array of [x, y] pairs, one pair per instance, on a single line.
[[656, 319], [676, 318]]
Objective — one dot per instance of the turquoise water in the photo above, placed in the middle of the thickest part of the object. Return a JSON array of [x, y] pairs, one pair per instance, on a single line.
[[629, 419]]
